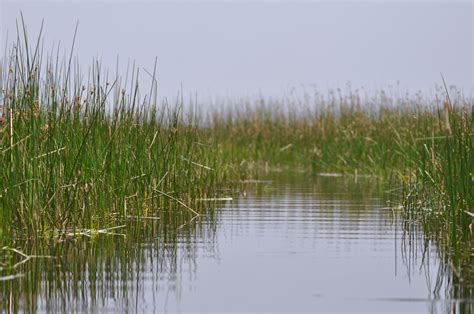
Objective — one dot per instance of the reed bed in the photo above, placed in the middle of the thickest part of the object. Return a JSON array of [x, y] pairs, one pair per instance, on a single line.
[[86, 152], [423, 145]]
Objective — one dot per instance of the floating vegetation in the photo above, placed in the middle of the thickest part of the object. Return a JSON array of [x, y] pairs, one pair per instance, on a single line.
[[24, 259], [90, 233]]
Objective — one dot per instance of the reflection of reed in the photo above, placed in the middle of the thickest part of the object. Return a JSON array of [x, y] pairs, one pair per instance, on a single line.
[[108, 271], [451, 285]]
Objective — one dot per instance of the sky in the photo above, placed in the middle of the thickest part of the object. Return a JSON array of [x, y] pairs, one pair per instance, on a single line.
[[239, 48]]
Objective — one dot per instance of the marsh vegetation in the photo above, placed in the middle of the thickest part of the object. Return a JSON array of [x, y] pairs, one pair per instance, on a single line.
[[87, 155]]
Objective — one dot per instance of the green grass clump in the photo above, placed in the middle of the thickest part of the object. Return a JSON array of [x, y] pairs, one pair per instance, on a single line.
[[442, 194]]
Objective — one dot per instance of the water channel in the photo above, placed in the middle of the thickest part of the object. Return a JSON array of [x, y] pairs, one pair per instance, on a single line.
[[288, 244]]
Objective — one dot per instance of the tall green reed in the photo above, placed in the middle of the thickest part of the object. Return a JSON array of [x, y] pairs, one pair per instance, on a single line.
[[83, 153], [444, 191]]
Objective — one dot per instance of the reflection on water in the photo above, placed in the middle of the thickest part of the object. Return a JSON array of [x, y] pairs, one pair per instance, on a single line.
[[296, 244]]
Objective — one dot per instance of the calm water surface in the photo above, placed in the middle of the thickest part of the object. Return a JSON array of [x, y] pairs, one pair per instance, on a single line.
[[292, 244]]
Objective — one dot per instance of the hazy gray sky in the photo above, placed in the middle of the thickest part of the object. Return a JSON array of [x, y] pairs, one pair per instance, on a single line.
[[238, 48]]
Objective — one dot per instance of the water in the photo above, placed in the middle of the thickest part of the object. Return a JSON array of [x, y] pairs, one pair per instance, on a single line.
[[293, 244]]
